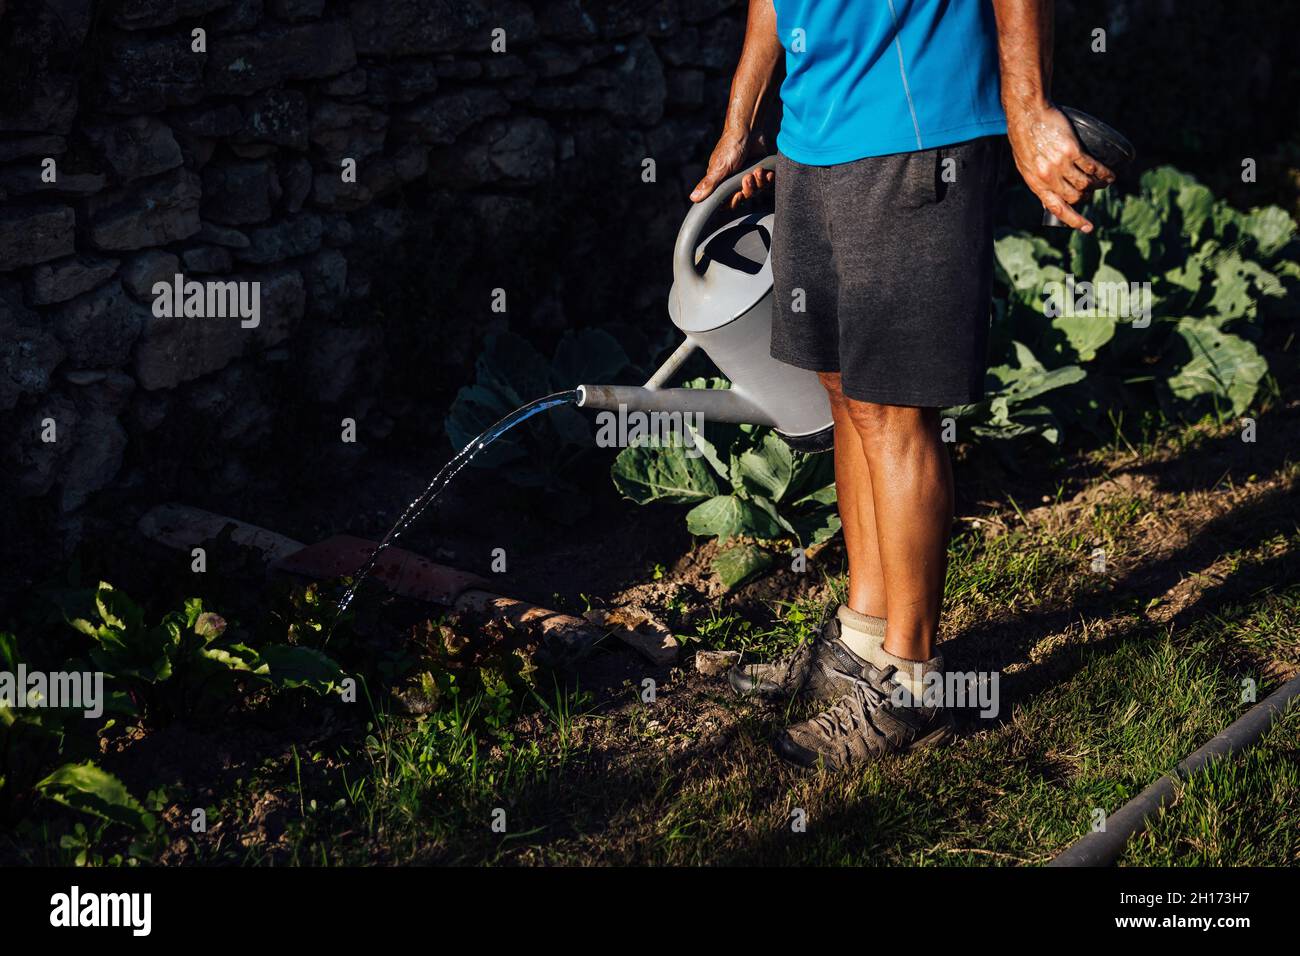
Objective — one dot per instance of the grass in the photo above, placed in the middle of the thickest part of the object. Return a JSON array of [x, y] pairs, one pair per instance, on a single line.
[[1108, 675], [1094, 710]]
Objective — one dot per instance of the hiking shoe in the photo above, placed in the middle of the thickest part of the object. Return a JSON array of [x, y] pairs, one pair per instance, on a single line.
[[820, 669], [864, 724]]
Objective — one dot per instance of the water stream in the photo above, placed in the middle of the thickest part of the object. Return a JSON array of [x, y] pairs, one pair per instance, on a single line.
[[441, 480]]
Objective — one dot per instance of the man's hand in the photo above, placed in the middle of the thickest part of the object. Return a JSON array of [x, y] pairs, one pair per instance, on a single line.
[[730, 157], [1052, 162]]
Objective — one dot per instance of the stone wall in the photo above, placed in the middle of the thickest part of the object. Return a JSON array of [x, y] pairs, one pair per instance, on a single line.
[[131, 151], [476, 170]]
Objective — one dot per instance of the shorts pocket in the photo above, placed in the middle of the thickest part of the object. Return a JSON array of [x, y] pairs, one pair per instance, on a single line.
[[922, 178]]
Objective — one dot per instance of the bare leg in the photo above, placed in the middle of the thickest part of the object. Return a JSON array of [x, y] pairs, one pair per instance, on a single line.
[[911, 485], [857, 507]]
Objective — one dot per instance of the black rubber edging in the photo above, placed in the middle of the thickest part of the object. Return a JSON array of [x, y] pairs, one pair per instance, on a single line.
[[1101, 848]]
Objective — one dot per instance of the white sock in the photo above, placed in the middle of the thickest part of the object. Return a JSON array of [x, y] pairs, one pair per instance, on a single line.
[[860, 633], [864, 635]]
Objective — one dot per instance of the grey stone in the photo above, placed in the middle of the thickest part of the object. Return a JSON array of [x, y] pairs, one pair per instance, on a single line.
[[206, 260], [98, 444], [100, 392], [400, 82], [24, 146], [29, 235], [714, 46], [685, 87], [326, 279], [352, 83], [516, 151], [84, 376], [679, 139], [284, 300], [35, 464], [27, 179], [336, 359], [252, 150], [276, 116], [239, 193], [240, 15], [222, 236], [412, 27], [449, 67], [636, 88], [153, 214], [58, 281], [698, 10], [565, 97], [29, 352], [338, 230], [98, 328], [73, 18], [503, 66], [246, 63], [715, 663], [353, 131], [440, 120], [149, 74], [387, 173], [175, 350], [145, 269], [555, 59], [50, 107], [295, 182], [296, 9], [143, 14], [381, 228], [329, 192], [296, 236], [664, 18], [213, 122], [150, 409], [567, 20], [140, 146], [196, 150]]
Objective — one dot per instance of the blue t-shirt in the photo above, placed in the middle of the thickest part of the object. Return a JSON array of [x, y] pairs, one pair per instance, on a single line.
[[873, 77]]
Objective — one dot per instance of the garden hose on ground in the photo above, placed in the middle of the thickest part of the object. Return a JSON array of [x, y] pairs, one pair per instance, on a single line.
[[1102, 847]]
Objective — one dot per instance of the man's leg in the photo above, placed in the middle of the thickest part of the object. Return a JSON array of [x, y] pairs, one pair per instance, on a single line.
[[856, 505], [911, 486]]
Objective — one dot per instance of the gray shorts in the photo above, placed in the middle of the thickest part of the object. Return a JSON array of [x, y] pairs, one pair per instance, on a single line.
[[883, 269]]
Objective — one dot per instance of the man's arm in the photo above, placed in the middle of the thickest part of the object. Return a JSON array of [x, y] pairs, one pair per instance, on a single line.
[[1046, 151], [751, 90]]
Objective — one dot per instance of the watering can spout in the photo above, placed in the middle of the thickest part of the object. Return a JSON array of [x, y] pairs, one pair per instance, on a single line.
[[713, 404]]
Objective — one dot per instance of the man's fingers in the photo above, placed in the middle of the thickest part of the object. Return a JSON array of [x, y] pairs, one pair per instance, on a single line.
[[1059, 208], [704, 188], [1100, 174], [1067, 191], [1077, 178]]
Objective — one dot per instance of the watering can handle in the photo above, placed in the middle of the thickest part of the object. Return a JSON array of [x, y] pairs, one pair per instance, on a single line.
[[688, 237]]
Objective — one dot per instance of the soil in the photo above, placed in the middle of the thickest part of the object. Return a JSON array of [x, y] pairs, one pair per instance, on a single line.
[[1194, 507]]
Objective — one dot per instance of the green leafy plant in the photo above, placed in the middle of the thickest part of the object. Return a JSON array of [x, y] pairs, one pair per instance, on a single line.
[[744, 485], [510, 373], [1188, 344], [33, 740], [191, 660]]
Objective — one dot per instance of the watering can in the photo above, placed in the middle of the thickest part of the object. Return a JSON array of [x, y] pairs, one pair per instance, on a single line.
[[721, 300], [1103, 143]]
